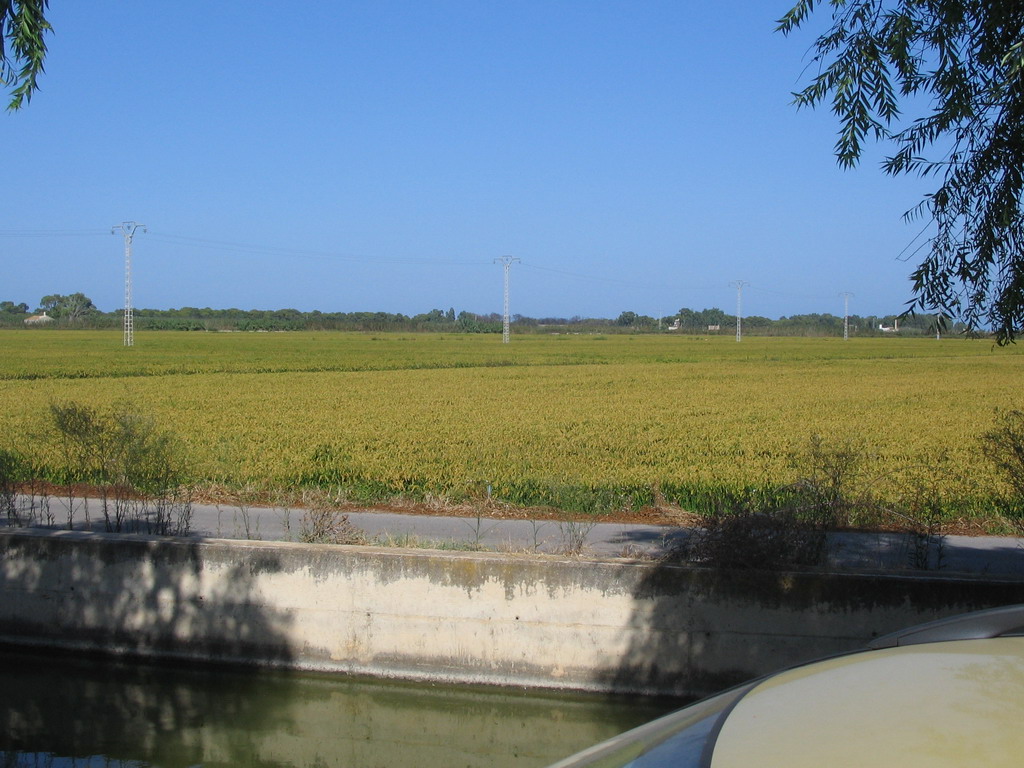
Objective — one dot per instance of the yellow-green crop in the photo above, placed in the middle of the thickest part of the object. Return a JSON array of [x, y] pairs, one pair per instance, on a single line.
[[564, 420]]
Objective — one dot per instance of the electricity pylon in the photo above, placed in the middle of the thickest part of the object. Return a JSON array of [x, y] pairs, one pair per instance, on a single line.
[[506, 262], [846, 314], [738, 285], [128, 230]]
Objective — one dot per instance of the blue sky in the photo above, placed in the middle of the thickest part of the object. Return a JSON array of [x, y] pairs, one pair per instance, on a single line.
[[379, 155]]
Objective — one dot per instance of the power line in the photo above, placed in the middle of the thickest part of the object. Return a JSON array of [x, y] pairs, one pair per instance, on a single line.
[[660, 287], [224, 245], [52, 232], [615, 281], [903, 255]]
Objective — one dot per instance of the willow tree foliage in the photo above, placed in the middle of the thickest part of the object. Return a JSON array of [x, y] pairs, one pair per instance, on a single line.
[[23, 26], [958, 65]]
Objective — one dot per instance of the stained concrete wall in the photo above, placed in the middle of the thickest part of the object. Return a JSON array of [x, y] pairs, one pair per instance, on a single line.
[[454, 617]]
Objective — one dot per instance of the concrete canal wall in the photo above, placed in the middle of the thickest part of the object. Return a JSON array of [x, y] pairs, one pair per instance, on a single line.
[[454, 617]]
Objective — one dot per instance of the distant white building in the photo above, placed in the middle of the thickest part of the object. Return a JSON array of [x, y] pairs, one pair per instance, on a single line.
[[42, 319]]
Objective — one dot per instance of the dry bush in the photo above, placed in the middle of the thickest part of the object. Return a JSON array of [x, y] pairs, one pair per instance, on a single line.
[[745, 538], [323, 523]]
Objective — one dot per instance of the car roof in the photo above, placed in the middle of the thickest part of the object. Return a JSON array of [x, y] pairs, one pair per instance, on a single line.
[[1004, 621], [943, 694], [941, 704]]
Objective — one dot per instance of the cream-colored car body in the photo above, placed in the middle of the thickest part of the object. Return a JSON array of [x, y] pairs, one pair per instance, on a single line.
[[937, 695], [958, 703]]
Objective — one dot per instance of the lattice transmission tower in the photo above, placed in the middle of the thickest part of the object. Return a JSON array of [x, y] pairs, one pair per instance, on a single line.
[[506, 262], [738, 285], [128, 230], [846, 314]]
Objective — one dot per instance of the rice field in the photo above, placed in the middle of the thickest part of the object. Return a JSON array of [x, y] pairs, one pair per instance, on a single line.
[[590, 423]]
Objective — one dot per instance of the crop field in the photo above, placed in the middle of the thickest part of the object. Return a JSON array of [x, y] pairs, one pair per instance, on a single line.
[[584, 423]]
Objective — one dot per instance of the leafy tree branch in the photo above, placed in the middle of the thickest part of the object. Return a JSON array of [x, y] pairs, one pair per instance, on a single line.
[[963, 58], [23, 27]]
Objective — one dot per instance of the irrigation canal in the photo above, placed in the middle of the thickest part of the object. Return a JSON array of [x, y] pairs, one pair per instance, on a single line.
[[60, 712]]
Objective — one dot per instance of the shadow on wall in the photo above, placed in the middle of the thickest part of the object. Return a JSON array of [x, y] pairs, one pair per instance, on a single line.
[[695, 631], [137, 595]]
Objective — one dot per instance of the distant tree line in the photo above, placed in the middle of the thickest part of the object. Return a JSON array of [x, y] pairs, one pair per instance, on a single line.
[[78, 311], [716, 321]]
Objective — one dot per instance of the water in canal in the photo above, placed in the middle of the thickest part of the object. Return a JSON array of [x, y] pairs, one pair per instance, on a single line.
[[60, 712]]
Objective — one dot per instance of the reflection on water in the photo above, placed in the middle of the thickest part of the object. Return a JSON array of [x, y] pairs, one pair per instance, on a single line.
[[87, 713]]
